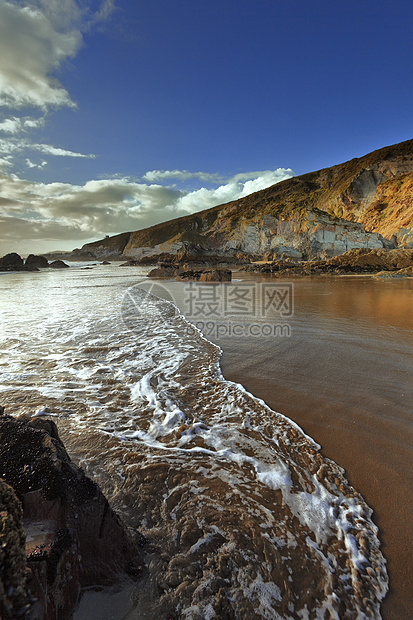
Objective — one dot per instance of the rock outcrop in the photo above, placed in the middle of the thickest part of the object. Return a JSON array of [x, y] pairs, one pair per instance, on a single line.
[[364, 203], [58, 264], [14, 599], [384, 263], [11, 262], [14, 262], [39, 262], [73, 538], [187, 273]]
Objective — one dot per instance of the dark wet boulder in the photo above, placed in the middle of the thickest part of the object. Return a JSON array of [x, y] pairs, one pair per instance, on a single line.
[[14, 599], [58, 264], [130, 263], [204, 275], [74, 539], [36, 261], [216, 275], [163, 271], [11, 262]]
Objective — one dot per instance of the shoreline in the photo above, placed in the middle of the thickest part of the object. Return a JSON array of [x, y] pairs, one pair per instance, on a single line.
[[267, 374], [365, 446]]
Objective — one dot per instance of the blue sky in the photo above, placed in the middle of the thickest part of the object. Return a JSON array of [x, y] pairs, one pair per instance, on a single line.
[[118, 114]]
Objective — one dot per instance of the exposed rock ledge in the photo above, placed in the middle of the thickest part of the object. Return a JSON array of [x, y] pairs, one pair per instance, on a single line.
[[74, 539], [380, 262], [186, 272]]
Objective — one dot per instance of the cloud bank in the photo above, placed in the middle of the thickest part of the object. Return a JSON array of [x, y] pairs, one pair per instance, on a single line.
[[39, 217]]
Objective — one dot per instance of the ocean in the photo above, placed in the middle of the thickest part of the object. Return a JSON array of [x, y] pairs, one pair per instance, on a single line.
[[244, 515]]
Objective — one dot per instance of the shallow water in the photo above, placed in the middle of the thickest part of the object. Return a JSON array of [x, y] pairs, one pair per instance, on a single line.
[[346, 377], [243, 515]]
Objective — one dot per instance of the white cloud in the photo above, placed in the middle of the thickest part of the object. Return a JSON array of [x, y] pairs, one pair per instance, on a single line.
[[18, 145], [236, 187], [35, 39], [10, 125], [105, 11], [5, 161], [31, 164], [16, 125], [53, 150], [181, 175], [62, 212]]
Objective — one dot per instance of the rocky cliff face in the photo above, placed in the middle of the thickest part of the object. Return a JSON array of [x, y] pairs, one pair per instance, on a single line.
[[352, 205]]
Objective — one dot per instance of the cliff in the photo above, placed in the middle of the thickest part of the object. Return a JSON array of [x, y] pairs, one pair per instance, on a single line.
[[352, 205]]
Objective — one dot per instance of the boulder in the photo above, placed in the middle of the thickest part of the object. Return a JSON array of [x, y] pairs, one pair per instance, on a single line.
[[204, 275], [216, 275], [58, 264], [11, 262], [14, 600], [164, 271], [74, 539], [36, 261]]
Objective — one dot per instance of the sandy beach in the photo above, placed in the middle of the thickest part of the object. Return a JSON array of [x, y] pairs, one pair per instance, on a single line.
[[342, 372], [345, 376]]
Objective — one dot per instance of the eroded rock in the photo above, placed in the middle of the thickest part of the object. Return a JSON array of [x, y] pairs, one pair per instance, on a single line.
[[14, 600], [74, 539], [36, 261], [58, 264], [11, 262], [363, 260], [188, 273]]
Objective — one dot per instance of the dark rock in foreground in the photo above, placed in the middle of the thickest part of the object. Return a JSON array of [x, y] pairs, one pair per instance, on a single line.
[[74, 539], [14, 601]]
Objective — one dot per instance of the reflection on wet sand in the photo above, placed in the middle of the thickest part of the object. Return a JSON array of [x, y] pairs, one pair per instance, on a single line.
[[346, 377]]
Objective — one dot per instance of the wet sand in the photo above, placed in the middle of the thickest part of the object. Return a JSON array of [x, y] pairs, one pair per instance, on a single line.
[[345, 376]]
